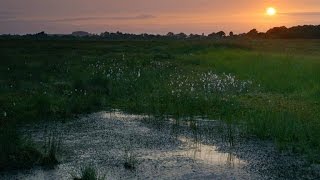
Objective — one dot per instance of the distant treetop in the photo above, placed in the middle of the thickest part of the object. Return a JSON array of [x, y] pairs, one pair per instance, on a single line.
[[296, 32]]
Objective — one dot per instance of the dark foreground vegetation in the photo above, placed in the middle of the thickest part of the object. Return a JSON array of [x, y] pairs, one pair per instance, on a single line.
[[88, 173], [270, 87]]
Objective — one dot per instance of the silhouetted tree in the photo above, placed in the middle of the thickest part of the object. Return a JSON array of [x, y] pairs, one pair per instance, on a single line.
[[212, 35], [306, 32], [181, 35], [194, 36], [221, 34], [277, 32], [170, 34], [105, 34], [253, 33]]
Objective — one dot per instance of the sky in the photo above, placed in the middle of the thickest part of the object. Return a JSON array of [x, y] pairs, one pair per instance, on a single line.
[[153, 16]]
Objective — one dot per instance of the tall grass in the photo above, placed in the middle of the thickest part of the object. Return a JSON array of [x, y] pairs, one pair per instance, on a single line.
[[275, 93], [16, 152], [51, 150], [88, 173]]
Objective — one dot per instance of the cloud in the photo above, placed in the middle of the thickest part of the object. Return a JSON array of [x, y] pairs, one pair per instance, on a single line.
[[302, 14], [143, 16], [138, 17], [4, 15], [7, 12], [6, 18]]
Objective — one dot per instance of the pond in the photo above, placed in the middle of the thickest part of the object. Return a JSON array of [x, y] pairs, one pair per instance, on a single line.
[[160, 148]]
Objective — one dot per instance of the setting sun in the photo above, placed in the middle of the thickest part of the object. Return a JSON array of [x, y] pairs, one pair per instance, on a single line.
[[271, 11]]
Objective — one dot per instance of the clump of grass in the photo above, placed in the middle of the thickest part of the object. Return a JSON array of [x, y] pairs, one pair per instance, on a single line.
[[130, 160], [89, 173], [16, 152], [52, 146]]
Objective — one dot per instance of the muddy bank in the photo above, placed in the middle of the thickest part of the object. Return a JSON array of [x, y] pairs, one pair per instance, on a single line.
[[161, 149]]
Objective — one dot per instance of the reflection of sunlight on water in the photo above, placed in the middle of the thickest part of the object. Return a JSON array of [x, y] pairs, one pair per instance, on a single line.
[[117, 114], [102, 138], [190, 147], [207, 154]]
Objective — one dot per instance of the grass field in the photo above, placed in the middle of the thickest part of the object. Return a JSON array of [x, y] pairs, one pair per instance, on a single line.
[[270, 86]]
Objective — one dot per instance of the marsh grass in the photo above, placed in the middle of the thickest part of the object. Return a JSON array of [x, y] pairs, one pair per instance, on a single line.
[[20, 152], [16, 152], [130, 159], [274, 94], [89, 173], [51, 149]]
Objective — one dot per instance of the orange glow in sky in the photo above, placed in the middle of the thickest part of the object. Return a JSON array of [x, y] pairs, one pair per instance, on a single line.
[[154, 16]]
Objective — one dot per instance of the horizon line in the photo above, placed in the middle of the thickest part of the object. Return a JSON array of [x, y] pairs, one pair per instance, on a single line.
[[140, 33]]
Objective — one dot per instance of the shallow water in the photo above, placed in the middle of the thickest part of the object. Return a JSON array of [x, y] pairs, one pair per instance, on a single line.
[[162, 150]]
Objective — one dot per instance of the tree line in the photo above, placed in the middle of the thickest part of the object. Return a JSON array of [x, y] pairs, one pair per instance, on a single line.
[[296, 32]]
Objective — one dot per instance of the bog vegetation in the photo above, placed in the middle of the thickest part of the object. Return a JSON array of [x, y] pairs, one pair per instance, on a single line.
[[270, 87]]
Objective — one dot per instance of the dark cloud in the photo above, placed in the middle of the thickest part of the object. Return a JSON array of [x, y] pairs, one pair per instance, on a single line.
[[138, 17], [4, 15], [10, 19], [143, 16]]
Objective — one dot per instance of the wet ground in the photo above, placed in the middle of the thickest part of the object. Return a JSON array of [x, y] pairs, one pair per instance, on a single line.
[[161, 149]]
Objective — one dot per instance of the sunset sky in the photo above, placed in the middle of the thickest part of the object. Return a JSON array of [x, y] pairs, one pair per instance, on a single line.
[[153, 16]]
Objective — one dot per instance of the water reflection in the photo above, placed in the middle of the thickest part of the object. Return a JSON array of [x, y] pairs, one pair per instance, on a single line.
[[192, 133], [208, 154], [165, 148]]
